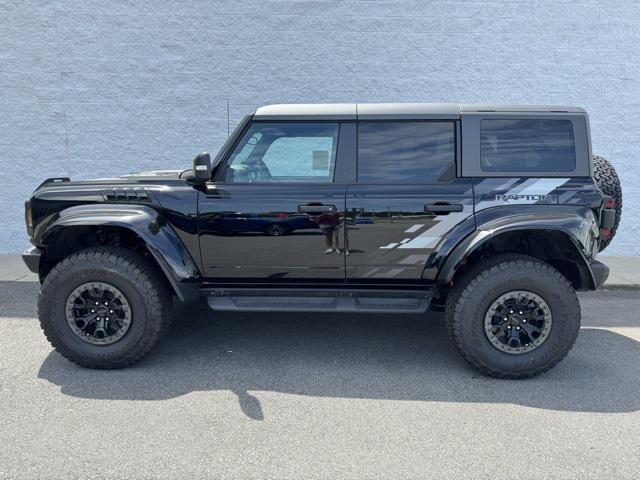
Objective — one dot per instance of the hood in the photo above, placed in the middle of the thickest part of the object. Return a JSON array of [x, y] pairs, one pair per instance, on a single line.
[[149, 178], [155, 175], [56, 194]]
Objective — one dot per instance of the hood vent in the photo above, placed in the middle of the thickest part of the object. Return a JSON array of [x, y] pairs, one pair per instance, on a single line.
[[126, 195]]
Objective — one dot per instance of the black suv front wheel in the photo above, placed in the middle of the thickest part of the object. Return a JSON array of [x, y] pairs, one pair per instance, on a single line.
[[513, 316], [104, 307]]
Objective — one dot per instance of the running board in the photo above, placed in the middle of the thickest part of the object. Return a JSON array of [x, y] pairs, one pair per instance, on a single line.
[[314, 300]]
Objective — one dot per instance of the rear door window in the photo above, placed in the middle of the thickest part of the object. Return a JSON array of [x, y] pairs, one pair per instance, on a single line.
[[405, 151], [527, 145]]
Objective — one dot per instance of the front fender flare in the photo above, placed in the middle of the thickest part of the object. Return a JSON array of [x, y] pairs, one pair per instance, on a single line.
[[161, 240]]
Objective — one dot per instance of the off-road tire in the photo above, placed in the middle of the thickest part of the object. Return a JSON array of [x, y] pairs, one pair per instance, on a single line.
[[142, 283], [474, 292], [607, 180]]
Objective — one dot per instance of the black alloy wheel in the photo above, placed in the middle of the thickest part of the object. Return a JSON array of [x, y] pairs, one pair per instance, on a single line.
[[98, 313], [518, 322]]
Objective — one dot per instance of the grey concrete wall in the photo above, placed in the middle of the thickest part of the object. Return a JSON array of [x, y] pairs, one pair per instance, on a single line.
[[97, 87]]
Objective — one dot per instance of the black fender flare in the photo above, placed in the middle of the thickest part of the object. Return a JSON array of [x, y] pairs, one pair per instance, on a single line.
[[161, 240], [577, 224]]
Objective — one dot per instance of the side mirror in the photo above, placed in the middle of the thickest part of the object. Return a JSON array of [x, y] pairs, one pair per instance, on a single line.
[[202, 167]]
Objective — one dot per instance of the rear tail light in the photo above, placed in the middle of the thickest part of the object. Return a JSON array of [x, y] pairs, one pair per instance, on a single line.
[[609, 203], [607, 217], [28, 218]]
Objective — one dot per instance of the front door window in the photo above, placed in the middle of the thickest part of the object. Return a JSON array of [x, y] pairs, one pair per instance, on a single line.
[[284, 152]]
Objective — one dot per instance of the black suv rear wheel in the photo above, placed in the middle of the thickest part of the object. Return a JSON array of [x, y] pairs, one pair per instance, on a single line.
[[104, 307], [276, 230], [513, 316]]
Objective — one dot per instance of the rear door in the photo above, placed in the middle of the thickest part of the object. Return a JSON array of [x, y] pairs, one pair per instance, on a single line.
[[406, 198], [269, 214]]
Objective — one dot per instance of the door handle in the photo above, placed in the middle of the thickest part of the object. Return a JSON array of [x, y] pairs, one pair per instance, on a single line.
[[316, 208], [441, 208]]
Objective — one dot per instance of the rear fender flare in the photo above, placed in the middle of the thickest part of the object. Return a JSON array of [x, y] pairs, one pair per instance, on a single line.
[[577, 224]]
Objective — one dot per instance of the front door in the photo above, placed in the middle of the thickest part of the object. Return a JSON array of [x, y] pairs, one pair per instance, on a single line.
[[274, 212], [406, 199]]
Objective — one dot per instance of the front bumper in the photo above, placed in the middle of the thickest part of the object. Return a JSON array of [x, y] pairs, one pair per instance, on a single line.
[[31, 258], [600, 273]]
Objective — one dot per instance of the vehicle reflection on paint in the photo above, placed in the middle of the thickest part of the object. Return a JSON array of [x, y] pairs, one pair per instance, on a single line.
[[271, 223], [380, 239]]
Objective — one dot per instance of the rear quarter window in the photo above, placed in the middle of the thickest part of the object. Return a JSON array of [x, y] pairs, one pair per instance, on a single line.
[[527, 145]]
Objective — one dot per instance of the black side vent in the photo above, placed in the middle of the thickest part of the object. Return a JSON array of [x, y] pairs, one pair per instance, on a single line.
[[130, 194]]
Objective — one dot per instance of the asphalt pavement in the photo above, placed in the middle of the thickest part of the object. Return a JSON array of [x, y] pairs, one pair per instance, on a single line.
[[318, 396]]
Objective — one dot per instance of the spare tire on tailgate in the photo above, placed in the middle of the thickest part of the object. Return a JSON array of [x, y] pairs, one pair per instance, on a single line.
[[607, 180]]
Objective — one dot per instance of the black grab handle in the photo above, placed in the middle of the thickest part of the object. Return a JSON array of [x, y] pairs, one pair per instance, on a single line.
[[442, 207]]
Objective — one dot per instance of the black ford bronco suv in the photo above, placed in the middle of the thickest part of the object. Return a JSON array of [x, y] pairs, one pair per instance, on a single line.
[[493, 213]]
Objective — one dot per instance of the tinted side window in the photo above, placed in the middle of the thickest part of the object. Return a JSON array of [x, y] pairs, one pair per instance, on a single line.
[[405, 151], [527, 145], [284, 152]]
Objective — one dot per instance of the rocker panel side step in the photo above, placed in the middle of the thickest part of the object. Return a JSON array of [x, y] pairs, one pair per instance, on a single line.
[[313, 300]]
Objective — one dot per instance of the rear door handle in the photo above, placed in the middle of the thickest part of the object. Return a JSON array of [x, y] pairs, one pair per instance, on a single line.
[[316, 208], [439, 208]]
